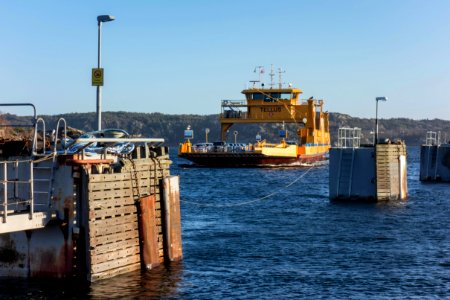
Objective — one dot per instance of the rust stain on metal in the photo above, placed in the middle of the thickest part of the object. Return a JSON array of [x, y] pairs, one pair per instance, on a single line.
[[50, 254], [68, 204]]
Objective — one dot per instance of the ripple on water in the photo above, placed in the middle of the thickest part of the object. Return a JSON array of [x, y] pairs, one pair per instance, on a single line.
[[274, 234]]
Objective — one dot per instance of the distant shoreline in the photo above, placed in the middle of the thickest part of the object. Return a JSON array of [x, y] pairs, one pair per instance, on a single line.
[[171, 127]]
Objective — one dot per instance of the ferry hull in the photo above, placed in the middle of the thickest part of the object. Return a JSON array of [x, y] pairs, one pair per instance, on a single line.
[[251, 160]]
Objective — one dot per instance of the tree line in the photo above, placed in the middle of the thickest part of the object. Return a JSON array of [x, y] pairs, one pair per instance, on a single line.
[[171, 127]]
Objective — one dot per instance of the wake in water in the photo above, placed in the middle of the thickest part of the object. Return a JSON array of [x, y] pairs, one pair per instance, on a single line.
[[272, 166]]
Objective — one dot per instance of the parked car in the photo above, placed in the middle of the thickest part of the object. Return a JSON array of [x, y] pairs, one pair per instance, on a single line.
[[219, 146], [202, 147]]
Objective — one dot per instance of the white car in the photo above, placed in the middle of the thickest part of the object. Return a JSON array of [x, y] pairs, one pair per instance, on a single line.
[[202, 147]]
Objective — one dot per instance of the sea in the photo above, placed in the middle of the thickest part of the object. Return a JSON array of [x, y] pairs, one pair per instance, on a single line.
[[274, 234]]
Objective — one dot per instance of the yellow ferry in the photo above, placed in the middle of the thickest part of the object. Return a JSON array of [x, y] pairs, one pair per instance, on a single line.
[[266, 105]]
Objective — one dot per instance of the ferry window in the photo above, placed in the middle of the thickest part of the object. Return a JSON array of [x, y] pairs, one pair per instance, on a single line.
[[268, 98], [285, 96], [275, 95], [257, 96]]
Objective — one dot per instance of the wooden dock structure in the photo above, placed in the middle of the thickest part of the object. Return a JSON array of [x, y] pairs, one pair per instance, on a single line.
[[87, 215], [115, 203]]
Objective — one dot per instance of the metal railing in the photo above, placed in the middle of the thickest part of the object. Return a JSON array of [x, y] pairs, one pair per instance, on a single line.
[[234, 103], [349, 137], [15, 196], [55, 145], [433, 138], [233, 109]]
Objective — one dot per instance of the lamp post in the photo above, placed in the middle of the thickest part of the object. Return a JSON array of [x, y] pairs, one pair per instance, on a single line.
[[100, 19], [376, 118], [206, 135]]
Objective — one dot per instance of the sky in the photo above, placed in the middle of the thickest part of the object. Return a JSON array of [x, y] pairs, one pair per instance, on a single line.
[[183, 57]]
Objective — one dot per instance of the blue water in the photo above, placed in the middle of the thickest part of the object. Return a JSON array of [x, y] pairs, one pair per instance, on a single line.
[[273, 233]]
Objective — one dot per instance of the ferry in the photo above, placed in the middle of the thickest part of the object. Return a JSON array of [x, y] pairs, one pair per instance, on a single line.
[[274, 104]]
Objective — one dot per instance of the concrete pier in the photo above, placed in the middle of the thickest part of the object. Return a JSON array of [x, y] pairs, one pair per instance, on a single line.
[[434, 159], [368, 173]]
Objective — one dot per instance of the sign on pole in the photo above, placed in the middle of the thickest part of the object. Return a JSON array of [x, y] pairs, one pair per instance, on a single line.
[[97, 76]]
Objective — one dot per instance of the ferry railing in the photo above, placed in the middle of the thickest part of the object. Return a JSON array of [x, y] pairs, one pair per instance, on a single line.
[[349, 137], [233, 109], [234, 103]]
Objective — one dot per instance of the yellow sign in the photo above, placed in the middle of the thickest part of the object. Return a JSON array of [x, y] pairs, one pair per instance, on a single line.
[[97, 76]]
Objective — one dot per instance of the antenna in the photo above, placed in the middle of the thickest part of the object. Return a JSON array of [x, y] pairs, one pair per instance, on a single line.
[[280, 83], [271, 76], [260, 71], [254, 83]]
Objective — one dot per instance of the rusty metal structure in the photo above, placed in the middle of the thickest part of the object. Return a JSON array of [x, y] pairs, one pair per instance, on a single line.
[[84, 214]]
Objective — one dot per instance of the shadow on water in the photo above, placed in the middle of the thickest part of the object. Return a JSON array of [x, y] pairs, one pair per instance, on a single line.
[[43, 288], [161, 282]]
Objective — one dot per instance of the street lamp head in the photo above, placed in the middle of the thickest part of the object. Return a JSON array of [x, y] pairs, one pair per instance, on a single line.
[[105, 18], [381, 98]]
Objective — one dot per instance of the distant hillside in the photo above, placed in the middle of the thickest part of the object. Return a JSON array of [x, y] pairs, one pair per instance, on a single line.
[[171, 127]]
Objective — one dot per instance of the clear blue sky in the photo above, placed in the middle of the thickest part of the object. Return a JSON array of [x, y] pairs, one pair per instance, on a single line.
[[183, 57]]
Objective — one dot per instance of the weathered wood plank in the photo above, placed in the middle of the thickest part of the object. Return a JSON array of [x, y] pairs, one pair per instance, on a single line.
[[113, 222], [99, 230], [109, 185], [114, 272], [109, 177], [114, 254], [117, 263], [114, 211], [122, 196], [125, 194], [131, 236], [109, 203], [105, 248]]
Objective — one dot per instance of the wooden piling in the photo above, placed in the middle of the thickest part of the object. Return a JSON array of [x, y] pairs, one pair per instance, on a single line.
[[172, 219], [148, 232]]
